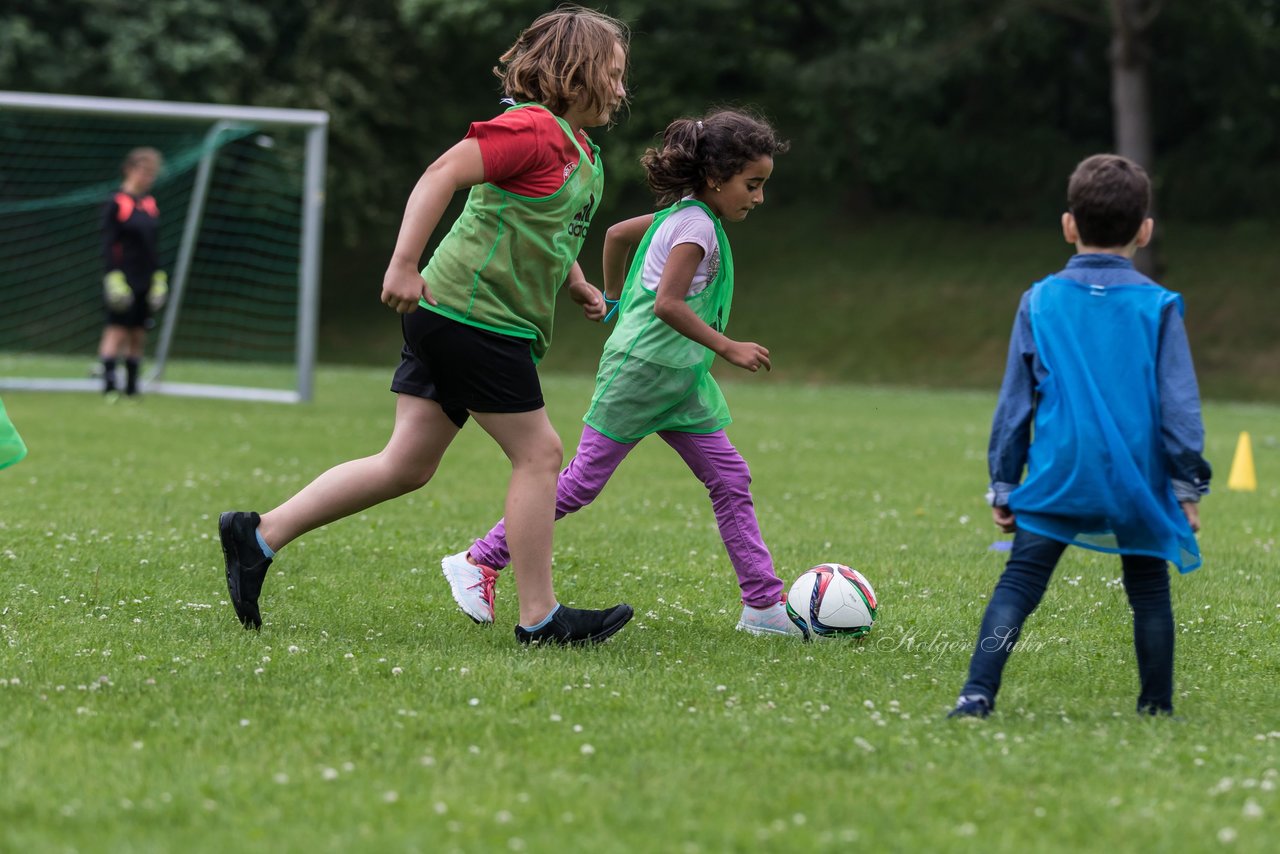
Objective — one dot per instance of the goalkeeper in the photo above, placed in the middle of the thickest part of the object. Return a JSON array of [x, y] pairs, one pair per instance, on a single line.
[[134, 286]]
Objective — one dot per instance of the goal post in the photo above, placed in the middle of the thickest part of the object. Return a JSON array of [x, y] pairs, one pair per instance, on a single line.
[[242, 204]]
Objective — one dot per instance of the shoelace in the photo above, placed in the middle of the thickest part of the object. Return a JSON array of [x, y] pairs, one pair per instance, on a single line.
[[772, 616], [768, 619], [485, 584]]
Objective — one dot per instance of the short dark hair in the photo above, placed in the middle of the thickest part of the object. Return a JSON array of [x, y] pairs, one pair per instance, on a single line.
[[717, 146], [1109, 196]]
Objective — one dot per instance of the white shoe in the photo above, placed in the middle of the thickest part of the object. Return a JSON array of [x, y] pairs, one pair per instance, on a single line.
[[772, 620], [472, 586]]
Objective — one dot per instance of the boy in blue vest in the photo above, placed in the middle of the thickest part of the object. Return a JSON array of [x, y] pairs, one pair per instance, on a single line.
[[1099, 364]]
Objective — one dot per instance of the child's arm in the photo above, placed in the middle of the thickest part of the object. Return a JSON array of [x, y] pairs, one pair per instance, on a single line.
[[110, 234], [458, 168], [619, 240], [115, 288], [585, 294], [1181, 427], [671, 309], [1011, 423]]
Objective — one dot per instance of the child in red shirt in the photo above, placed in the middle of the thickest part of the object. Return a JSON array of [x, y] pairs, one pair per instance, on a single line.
[[478, 318]]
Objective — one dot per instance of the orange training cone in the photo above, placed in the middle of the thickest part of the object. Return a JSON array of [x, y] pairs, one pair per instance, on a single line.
[[1242, 477]]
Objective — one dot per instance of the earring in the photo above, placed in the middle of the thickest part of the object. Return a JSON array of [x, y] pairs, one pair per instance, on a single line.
[[717, 189]]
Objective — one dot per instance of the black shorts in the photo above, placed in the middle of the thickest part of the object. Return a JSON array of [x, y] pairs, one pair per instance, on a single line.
[[464, 368]]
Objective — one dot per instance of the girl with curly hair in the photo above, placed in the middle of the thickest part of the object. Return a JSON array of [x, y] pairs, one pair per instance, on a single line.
[[655, 372]]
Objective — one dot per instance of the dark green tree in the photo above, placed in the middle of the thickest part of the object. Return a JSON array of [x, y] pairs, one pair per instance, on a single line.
[[948, 107]]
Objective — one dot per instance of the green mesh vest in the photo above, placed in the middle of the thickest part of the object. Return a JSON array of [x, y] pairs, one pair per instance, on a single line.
[[651, 377], [507, 255], [11, 447]]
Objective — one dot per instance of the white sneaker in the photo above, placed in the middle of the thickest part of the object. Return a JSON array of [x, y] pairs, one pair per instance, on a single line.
[[772, 620], [472, 586]]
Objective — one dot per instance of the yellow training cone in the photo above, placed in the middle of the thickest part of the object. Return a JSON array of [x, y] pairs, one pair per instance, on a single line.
[[1242, 478]]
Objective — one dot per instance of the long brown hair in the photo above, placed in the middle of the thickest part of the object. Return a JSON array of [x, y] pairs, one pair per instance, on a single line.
[[561, 56]]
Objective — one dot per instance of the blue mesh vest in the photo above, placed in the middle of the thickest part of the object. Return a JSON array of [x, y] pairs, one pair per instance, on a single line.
[[1096, 472]]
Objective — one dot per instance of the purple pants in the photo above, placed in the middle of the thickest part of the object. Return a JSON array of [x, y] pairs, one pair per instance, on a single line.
[[710, 456]]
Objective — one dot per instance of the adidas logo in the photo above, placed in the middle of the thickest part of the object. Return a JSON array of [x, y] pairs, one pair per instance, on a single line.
[[582, 219]]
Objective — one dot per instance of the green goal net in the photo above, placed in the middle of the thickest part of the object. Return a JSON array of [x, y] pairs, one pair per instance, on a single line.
[[240, 201]]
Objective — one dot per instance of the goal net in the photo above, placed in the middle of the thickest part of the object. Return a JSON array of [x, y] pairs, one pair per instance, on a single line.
[[241, 201]]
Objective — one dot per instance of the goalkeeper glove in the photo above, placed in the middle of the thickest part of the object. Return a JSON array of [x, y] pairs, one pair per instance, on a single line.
[[159, 290], [116, 291]]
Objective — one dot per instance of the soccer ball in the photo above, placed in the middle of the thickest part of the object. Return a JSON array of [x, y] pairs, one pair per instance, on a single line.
[[832, 600]]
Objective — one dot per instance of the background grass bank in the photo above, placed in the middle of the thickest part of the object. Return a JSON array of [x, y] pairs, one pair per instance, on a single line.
[[898, 301]]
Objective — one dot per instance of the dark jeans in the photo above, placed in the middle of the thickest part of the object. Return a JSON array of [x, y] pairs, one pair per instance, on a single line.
[[1026, 575]]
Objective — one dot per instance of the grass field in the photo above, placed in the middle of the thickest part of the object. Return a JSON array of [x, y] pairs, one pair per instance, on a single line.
[[369, 715]]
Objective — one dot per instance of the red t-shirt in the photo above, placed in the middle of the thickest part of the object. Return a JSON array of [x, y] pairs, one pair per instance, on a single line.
[[527, 152]]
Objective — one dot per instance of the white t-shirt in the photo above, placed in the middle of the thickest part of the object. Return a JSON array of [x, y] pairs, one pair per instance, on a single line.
[[690, 224]]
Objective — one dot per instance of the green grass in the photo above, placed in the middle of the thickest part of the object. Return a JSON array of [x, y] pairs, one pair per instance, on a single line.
[[369, 715], [255, 376]]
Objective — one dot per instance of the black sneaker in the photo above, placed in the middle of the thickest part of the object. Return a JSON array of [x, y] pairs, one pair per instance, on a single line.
[[577, 626], [971, 706], [246, 564], [1153, 710]]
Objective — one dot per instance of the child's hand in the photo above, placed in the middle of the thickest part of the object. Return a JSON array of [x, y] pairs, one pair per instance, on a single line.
[[1191, 510], [1004, 519], [589, 297], [403, 286], [747, 354]]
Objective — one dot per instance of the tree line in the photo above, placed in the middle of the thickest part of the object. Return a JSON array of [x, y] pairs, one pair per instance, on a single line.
[[967, 108]]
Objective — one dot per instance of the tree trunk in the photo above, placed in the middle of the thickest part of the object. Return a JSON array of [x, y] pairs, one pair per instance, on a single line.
[[1131, 97]]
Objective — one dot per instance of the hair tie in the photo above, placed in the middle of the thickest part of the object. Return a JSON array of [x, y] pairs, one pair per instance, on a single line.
[[698, 124]]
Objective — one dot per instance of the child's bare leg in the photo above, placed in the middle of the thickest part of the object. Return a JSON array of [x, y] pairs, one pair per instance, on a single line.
[[535, 451], [113, 342], [136, 339], [595, 461], [421, 434], [111, 348]]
